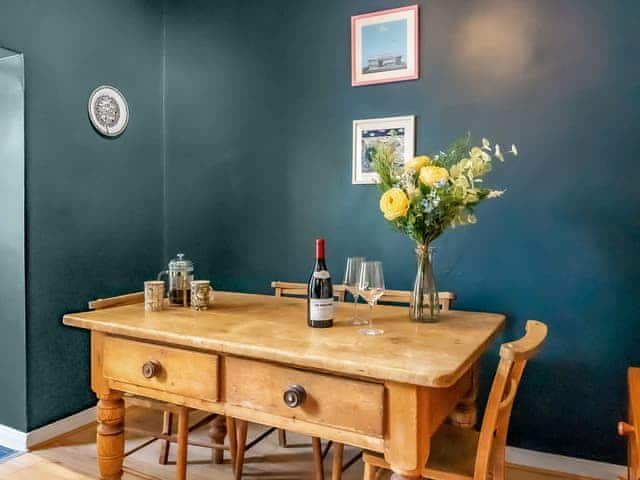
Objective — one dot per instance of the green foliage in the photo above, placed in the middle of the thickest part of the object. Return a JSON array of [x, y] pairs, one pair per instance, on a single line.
[[447, 194], [383, 159]]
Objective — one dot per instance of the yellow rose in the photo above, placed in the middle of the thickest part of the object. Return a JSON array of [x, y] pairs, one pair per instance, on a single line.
[[476, 152], [417, 163], [432, 175], [394, 203]]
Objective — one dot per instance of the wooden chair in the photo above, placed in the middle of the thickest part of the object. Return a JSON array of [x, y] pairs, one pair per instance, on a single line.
[[464, 454], [404, 296], [632, 429], [291, 289], [219, 424]]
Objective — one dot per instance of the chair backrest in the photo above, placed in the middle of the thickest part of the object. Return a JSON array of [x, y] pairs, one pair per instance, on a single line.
[[291, 289], [632, 429], [404, 296], [119, 301], [495, 424]]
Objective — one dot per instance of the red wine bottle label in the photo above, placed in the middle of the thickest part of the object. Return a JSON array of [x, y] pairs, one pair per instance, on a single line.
[[321, 274], [320, 309]]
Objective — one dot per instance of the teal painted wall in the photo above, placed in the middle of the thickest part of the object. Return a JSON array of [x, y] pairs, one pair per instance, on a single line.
[[94, 205], [13, 341], [259, 112], [257, 163]]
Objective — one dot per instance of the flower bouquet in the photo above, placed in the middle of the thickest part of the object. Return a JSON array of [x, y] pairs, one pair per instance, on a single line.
[[427, 195]]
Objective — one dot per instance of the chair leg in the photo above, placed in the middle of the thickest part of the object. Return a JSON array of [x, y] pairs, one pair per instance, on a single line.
[[217, 432], [338, 453], [369, 471], [183, 438], [242, 443], [318, 467], [165, 445], [233, 440], [282, 438]]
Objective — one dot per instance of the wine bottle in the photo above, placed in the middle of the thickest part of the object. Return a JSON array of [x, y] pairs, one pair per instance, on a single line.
[[320, 297]]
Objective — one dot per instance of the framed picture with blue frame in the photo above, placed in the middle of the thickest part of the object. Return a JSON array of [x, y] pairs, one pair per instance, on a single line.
[[368, 134]]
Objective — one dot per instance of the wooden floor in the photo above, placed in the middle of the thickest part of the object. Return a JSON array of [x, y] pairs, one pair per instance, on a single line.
[[72, 457]]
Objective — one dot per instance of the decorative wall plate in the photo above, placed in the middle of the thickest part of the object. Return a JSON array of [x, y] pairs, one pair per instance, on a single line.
[[108, 111]]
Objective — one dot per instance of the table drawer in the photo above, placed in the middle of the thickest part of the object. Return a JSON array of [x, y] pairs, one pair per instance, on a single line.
[[329, 400], [168, 369]]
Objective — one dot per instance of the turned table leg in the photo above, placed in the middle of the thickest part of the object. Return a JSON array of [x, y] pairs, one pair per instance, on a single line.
[[110, 435], [217, 432], [465, 414]]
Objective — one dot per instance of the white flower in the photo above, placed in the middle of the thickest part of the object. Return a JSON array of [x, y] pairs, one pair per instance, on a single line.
[[495, 193], [486, 145], [514, 150], [498, 153]]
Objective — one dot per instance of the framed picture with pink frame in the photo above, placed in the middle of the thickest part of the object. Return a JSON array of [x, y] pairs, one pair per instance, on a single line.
[[385, 46]]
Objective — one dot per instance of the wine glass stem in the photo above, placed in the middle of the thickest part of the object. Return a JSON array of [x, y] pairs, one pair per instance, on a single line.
[[370, 315]]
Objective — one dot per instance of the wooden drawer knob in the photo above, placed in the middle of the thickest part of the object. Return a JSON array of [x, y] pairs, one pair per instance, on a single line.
[[294, 396], [624, 429], [151, 368]]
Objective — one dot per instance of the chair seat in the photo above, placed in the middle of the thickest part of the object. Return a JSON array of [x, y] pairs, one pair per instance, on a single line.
[[452, 455]]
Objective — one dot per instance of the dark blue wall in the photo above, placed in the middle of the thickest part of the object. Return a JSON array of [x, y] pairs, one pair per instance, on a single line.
[[259, 112], [94, 205]]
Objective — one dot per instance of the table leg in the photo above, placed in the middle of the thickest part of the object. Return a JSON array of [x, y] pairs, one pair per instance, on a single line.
[[110, 435], [465, 414], [217, 432], [412, 412]]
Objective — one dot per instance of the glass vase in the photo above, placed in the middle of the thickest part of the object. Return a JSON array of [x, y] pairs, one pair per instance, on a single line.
[[425, 304]]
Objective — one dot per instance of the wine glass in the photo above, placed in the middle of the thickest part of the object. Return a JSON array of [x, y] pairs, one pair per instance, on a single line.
[[352, 284], [371, 289]]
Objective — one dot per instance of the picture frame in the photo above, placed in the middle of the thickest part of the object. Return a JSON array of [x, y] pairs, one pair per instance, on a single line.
[[385, 46], [400, 130]]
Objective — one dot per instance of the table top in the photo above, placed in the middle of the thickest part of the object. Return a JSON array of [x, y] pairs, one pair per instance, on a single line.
[[275, 329]]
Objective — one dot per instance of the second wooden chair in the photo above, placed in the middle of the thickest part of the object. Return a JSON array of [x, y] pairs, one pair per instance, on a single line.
[[465, 454]]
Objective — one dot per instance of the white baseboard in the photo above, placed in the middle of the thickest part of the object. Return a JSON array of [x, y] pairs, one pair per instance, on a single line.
[[12, 438], [569, 465], [21, 441]]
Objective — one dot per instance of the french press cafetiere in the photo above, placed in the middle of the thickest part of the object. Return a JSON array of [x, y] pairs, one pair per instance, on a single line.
[[180, 275]]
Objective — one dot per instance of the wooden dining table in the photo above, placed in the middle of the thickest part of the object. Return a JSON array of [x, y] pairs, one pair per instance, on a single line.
[[385, 393]]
